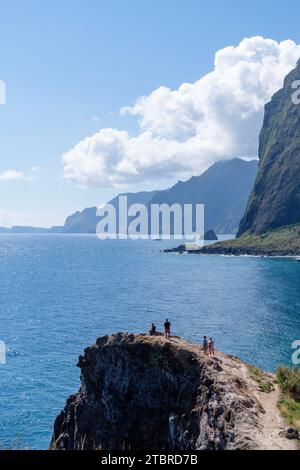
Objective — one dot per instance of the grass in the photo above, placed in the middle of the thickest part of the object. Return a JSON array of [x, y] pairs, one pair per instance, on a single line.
[[288, 380], [264, 382], [281, 241]]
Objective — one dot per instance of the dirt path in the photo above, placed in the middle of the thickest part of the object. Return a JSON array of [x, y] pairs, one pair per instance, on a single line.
[[265, 433], [271, 421]]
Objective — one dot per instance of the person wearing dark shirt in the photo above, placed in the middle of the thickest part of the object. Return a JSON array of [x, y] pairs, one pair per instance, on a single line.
[[167, 326], [205, 344]]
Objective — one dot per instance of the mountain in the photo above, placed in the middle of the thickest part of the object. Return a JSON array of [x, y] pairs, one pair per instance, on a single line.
[[224, 201], [82, 222], [141, 392], [87, 220], [275, 198]]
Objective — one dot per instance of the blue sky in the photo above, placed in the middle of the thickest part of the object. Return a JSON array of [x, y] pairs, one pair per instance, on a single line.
[[69, 66]]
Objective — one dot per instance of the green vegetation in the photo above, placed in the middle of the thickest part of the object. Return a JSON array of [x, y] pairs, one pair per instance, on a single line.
[[289, 404], [284, 241], [263, 380]]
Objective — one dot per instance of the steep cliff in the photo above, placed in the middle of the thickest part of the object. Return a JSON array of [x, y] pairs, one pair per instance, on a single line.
[[144, 392], [275, 198]]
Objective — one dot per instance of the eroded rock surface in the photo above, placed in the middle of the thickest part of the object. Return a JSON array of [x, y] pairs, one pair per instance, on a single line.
[[142, 392]]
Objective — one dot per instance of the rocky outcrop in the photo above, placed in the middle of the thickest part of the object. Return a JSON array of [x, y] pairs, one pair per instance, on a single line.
[[140, 392], [192, 247], [275, 198], [210, 235], [290, 433]]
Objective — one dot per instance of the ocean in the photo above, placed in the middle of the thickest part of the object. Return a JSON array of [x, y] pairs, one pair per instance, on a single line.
[[58, 293]]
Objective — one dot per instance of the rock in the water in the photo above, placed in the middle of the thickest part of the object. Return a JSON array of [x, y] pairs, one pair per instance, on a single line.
[[140, 392], [192, 247], [210, 236]]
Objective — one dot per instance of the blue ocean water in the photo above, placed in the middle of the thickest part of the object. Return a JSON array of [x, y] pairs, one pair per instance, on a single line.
[[59, 292]]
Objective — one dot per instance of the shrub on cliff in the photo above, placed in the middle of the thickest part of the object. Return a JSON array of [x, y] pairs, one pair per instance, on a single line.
[[288, 380]]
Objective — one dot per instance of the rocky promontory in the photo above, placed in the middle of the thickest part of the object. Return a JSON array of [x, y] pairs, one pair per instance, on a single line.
[[143, 392]]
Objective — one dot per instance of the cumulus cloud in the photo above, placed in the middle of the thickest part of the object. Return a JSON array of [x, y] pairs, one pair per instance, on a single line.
[[183, 131]]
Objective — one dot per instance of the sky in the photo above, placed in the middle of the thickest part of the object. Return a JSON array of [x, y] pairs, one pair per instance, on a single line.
[[108, 96]]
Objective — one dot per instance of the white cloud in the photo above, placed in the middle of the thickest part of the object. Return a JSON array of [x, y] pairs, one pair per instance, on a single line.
[[13, 175], [183, 131], [96, 119], [10, 175], [34, 169]]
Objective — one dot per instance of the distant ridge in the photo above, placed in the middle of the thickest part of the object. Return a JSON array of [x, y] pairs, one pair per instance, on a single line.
[[86, 221], [223, 188], [224, 201], [28, 229]]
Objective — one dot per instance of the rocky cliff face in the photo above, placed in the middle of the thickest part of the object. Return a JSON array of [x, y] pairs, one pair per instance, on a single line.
[[275, 199], [143, 392]]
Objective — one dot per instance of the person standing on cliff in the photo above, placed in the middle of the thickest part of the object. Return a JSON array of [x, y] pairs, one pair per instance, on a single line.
[[211, 347], [167, 326], [205, 345]]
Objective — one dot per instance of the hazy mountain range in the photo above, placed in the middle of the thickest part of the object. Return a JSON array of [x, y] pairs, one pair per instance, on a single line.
[[224, 189]]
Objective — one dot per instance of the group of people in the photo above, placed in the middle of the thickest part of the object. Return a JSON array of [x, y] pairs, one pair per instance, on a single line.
[[208, 344], [167, 327]]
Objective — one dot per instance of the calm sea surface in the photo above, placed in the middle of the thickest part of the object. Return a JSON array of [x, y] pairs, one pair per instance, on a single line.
[[58, 293]]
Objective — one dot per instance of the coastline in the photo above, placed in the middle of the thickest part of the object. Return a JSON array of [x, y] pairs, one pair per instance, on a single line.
[[280, 242], [224, 255]]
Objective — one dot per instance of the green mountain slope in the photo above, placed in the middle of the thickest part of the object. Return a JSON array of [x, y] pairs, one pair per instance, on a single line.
[[275, 198]]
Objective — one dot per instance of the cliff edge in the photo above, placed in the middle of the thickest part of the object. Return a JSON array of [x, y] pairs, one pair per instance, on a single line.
[[271, 223], [143, 392], [275, 198]]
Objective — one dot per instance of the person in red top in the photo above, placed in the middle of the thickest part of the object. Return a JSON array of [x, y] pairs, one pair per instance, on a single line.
[[167, 329]]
